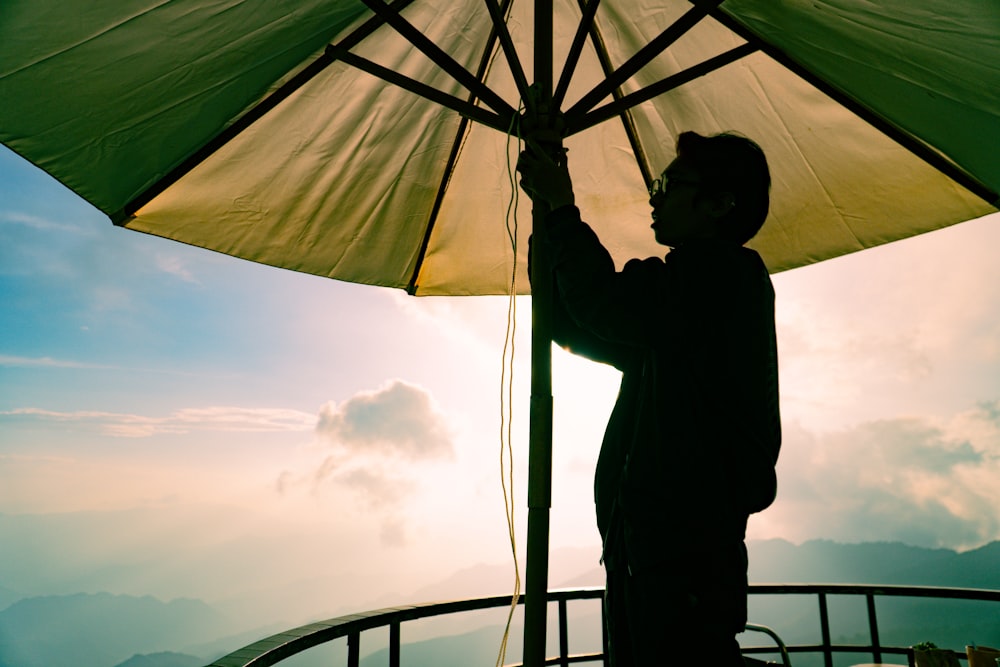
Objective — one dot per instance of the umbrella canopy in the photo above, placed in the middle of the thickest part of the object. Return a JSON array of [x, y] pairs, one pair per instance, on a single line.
[[263, 129], [368, 142]]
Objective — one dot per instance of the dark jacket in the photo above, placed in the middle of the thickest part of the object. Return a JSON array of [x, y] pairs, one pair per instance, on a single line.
[[690, 448]]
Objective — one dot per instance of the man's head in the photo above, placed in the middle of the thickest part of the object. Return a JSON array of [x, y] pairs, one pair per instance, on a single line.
[[717, 187]]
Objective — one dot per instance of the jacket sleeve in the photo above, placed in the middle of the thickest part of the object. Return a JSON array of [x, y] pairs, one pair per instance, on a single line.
[[580, 341], [621, 307]]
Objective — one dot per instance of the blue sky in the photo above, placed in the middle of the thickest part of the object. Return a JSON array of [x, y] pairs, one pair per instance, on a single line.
[[173, 421]]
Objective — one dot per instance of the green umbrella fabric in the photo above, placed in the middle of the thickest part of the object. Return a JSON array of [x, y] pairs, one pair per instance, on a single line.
[[344, 175]]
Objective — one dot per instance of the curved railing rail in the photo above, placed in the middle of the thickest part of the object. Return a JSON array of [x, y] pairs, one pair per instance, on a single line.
[[870, 593], [274, 649]]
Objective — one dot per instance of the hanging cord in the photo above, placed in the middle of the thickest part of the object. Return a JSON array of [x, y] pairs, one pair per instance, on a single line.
[[507, 391]]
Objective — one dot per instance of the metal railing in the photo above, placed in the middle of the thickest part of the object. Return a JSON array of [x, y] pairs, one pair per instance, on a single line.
[[822, 592], [274, 649]]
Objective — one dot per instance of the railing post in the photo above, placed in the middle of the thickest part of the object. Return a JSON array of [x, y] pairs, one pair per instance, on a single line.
[[394, 644], [563, 635], [873, 628], [824, 624], [353, 649], [604, 633]]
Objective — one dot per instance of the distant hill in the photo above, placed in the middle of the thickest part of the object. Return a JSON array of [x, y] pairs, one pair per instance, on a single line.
[[8, 597], [778, 561], [100, 630], [103, 630], [781, 562], [483, 580], [796, 618], [162, 659], [902, 622], [223, 645]]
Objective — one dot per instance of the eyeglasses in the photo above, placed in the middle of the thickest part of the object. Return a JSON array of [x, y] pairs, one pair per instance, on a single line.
[[664, 184]]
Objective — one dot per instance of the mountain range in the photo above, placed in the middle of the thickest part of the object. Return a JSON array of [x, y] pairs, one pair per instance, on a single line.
[[104, 630]]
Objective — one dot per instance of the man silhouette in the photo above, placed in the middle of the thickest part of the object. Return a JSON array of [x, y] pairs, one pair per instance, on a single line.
[[690, 448]]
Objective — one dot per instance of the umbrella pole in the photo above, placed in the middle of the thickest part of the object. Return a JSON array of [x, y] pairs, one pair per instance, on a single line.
[[540, 426], [539, 456]]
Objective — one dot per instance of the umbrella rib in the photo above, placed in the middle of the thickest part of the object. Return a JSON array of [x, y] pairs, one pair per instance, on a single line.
[[575, 50], [646, 54], [456, 149], [230, 132], [440, 57], [501, 32], [463, 107], [371, 25], [627, 121], [908, 141], [631, 100]]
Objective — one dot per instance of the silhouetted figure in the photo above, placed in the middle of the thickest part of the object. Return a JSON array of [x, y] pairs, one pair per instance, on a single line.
[[691, 445]]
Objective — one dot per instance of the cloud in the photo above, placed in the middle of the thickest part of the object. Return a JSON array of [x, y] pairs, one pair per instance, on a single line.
[[379, 489], [47, 362], [398, 420], [188, 420], [989, 411], [393, 533], [15, 361], [903, 479], [907, 445], [873, 333], [175, 266], [376, 445], [39, 223]]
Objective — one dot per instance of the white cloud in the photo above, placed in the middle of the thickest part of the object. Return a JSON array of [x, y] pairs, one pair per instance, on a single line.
[[907, 329], [988, 412], [175, 266], [188, 420], [393, 533], [907, 479], [377, 488], [398, 420], [376, 447], [39, 223], [45, 362], [882, 331]]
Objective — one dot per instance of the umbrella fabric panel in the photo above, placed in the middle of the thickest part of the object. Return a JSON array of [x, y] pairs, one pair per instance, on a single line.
[[109, 95], [470, 250], [839, 185], [340, 178], [932, 67]]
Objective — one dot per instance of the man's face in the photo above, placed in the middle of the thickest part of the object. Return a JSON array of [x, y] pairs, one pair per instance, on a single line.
[[677, 214]]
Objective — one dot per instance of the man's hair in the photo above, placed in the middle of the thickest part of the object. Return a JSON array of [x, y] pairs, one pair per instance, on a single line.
[[731, 163]]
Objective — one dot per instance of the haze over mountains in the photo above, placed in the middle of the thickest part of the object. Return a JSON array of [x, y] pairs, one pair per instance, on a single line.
[[104, 630]]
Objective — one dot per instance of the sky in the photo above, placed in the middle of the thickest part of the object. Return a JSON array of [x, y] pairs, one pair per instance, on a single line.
[[182, 423]]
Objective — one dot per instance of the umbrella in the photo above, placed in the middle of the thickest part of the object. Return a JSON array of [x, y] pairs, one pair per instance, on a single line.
[[366, 141]]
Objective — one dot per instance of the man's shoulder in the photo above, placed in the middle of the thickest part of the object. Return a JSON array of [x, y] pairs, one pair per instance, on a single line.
[[722, 257], [646, 264]]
